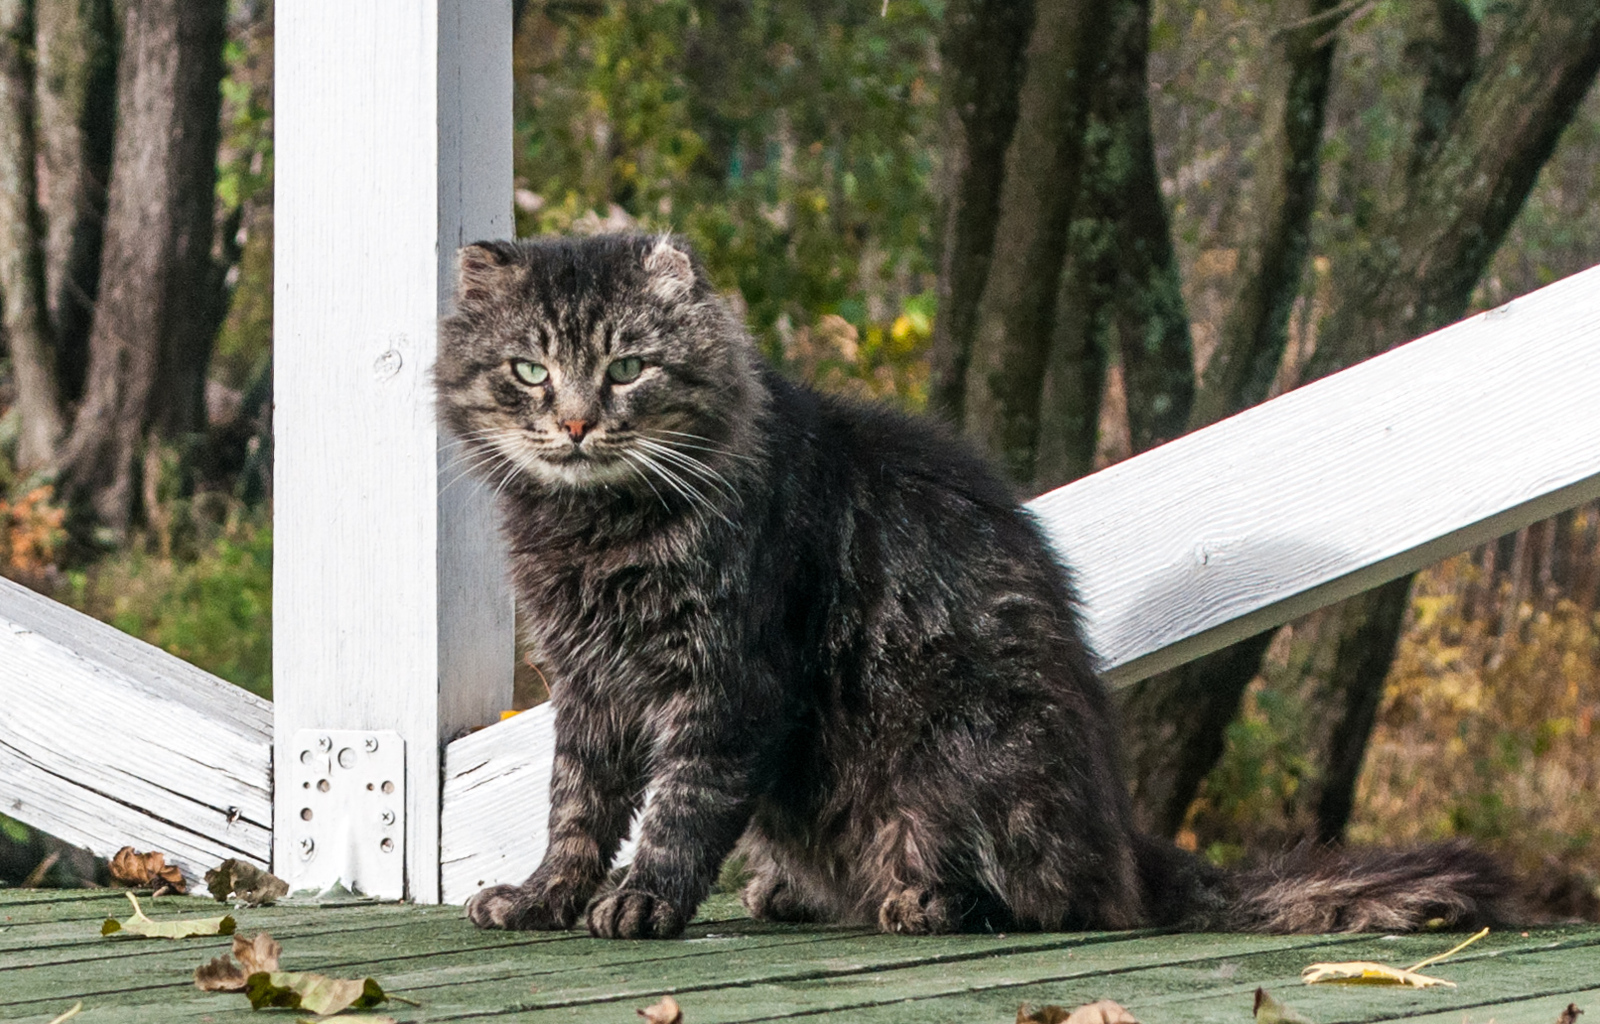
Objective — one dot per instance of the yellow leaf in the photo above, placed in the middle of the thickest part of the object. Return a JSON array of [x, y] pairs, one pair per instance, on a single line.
[[181, 928], [1365, 972]]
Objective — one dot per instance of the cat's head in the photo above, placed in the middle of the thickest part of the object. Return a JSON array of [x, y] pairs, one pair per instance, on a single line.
[[591, 362]]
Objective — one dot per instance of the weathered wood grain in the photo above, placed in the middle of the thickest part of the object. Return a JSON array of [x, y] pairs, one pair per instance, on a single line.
[[391, 610], [496, 795], [106, 741], [740, 970], [1334, 488]]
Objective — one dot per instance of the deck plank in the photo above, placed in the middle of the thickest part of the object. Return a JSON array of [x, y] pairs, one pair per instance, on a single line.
[[733, 970]]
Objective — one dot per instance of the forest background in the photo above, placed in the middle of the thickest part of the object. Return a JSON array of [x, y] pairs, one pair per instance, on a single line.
[[1074, 229]]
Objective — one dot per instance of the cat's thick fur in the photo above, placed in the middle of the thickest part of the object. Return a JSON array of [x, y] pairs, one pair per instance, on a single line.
[[818, 625]]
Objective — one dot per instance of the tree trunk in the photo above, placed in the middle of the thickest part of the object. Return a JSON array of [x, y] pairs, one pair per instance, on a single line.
[[1256, 331], [1016, 313], [1120, 288], [76, 90], [160, 294], [982, 55], [1485, 131], [21, 265]]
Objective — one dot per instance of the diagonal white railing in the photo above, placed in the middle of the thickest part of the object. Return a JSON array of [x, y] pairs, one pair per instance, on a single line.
[[391, 621]]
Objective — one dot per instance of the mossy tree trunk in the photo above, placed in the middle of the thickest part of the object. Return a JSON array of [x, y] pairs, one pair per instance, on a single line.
[[1037, 296], [22, 280], [160, 297]]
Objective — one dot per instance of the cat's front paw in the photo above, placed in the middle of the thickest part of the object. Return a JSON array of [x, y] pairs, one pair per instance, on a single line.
[[521, 908], [771, 897], [915, 912], [634, 914]]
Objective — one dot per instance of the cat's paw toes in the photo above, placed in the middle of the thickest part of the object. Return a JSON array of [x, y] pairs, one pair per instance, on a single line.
[[772, 897], [516, 908], [914, 912], [633, 914]]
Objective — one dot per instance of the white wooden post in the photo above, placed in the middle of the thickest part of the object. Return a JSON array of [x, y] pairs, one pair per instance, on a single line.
[[390, 607]]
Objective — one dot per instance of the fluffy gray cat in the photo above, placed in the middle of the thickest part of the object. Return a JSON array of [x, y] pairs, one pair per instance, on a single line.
[[818, 628]]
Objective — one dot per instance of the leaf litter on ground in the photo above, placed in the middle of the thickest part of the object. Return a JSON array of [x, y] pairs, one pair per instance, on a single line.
[[1101, 1011], [1271, 1011], [664, 1012], [243, 884], [138, 870], [176, 928], [1365, 972], [252, 968]]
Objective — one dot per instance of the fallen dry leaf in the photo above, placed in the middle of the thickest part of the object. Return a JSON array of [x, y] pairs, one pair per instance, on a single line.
[[146, 871], [1101, 1011], [1365, 972], [176, 928], [664, 1012], [77, 1008], [229, 973], [239, 881], [1569, 1015], [1270, 1011], [315, 992]]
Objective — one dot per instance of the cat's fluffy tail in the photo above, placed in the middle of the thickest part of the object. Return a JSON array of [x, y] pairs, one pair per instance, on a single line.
[[1322, 889]]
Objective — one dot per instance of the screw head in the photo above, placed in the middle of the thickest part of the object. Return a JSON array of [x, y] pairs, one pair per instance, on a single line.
[[324, 744], [388, 817], [307, 846], [372, 744]]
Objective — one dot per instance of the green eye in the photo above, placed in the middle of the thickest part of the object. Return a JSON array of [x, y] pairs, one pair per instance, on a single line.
[[625, 370], [528, 372]]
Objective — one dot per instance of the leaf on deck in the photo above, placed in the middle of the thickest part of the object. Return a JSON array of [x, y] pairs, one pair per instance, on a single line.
[[664, 1012], [318, 993], [1569, 1015], [77, 1008], [146, 871], [229, 973], [241, 882], [1365, 972], [177, 928], [1101, 1011], [1270, 1011]]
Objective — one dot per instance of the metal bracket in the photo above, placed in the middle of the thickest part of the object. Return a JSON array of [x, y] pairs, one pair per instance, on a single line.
[[347, 831]]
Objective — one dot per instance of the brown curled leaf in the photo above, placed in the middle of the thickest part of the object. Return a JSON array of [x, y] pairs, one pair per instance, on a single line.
[[1569, 1015], [1101, 1011], [254, 955], [138, 870], [664, 1012], [239, 881], [1270, 1011]]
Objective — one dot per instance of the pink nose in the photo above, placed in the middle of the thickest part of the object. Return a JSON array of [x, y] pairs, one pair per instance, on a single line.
[[576, 428]]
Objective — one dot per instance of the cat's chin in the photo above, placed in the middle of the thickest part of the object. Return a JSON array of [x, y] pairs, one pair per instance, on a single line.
[[581, 474]]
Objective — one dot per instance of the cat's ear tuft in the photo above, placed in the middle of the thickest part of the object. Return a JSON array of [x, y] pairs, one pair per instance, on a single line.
[[484, 271], [670, 269]]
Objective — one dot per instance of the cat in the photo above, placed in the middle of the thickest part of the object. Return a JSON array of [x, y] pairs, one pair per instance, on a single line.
[[818, 630]]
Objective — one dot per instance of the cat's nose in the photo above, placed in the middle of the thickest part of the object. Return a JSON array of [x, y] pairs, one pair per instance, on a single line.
[[576, 429]]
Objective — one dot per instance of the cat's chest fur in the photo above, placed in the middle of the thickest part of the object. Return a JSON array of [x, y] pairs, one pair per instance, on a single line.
[[641, 610]]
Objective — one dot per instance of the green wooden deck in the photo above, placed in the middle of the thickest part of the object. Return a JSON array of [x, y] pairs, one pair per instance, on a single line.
[[730, 968]]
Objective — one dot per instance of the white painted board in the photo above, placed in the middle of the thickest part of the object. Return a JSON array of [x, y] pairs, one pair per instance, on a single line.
[[496, 803], [1429, 449], [1337, 487], [393, 148], [106, 741]]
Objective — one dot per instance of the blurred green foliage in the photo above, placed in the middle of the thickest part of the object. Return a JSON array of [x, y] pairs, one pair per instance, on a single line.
[[793, 144]]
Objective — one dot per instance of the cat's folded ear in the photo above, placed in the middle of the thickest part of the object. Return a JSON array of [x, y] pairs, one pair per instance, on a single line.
[[485, 271], [670, 269]]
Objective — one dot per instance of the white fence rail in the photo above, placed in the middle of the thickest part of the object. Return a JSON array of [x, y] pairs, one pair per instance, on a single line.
[[106, 741]]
